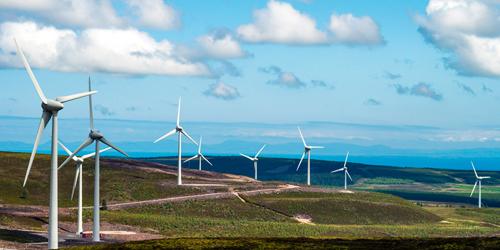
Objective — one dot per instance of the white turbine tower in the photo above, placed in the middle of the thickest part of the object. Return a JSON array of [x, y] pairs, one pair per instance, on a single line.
[[346, 172], [478, 180], [254, 159], [200, 156], [180, 131], [50, 109], [78, 179], [307, 150], [94, 136]]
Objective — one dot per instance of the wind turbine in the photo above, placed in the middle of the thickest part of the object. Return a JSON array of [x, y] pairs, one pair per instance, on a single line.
[[78, 179], [51, 108], [478, 180], [94, 136], [180, 131], [307, 150], [200, 156], [255, 159], [346, 172]]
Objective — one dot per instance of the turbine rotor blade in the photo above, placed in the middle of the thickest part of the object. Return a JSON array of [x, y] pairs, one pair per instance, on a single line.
[[301, 159], [105, 141], [171, 132], [199, 145], [43, 123], [473, 168], [179, 112], [246, 156], [192, 158], [68, 98], [87, 142], [316, 147], [202, 156], [30, 73], [189, 137], [348, 175], [74, 183], [91, 112], [93, 153], [474, 188], [338, 170], [346, 157], [258, 153], [302, 137], [65, 149]]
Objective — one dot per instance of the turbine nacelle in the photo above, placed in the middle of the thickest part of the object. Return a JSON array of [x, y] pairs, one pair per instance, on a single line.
[[179, 129], [95, 134], [52, 105]]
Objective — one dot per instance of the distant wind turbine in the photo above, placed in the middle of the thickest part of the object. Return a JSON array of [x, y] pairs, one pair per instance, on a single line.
[[346, 172], [94, 136], [255, 159], [78, 179], [180, 131], [200, 156], [51, 108], [478, 180], [307, 150]]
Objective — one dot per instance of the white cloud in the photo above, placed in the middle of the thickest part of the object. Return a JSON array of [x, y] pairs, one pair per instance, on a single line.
[[349, 29], [155, 14], [221, 45], [283, 78], [89, 13], [279, 22], [468, 31], [123, 51], [223, 91]]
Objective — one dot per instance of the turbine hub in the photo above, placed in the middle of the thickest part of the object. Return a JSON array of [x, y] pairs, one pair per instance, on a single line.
[[179, 128], [79, 160], [52, 106], [95, 134]]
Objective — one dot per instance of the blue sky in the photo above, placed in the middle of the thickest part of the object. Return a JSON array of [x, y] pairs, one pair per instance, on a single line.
[[405, 64]]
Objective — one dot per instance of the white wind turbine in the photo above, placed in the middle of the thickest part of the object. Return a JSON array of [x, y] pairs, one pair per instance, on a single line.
[[307, 150], [94, 136], [254, 159], [478, 180], [51, 108], [346, 172], [180, 131], [78, 179], [200, 156]]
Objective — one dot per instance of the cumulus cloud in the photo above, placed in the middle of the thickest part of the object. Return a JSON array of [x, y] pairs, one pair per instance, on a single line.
[[372, 102], [280, 22], [391, 76], [155, 14], [466, 88], [221, 45], [222, 91], [350, 29], [283, 78], [89, 13], [419, 89], [103, 110], [123, 51], [467, 30]]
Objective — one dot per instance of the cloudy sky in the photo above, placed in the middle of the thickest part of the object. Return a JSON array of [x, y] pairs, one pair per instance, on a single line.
[[389, 63]]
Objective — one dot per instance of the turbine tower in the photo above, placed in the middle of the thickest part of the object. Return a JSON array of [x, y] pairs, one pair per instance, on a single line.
[[478, 180], [255, 159], [51, 108], [180, 131], [346, 172], [78, 179], [200, 156], [94, 136], [307, 150]]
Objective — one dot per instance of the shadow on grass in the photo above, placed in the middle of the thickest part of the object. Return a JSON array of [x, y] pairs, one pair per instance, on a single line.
[[20, 236]]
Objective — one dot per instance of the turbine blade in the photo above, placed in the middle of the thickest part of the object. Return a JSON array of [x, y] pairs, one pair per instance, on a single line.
[[103, 140], [258, 153], [68, 98], [43, 123], [246, 156], [474, 188], [199, 146], [87, 142], [473, 168], [316, 147], [171, 132], [301, 159], [192, 158], [346, 157], [91, 112], [93, 153], [30, 73], [348, 175], [189, 137], [202, 156], [65, 148], [338, 170], [302, 137], [74, 183], [179, 112]]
